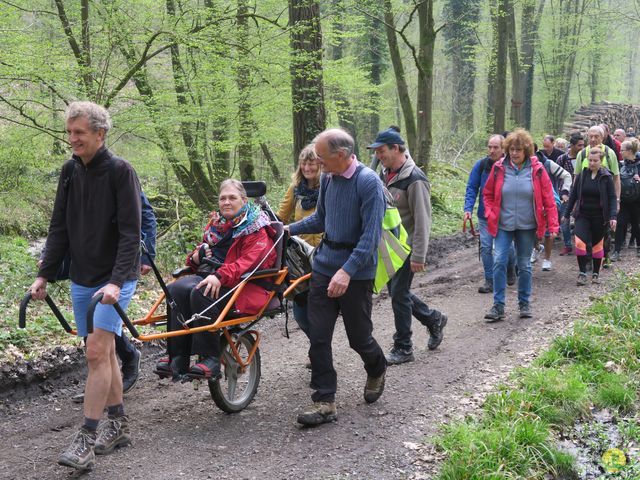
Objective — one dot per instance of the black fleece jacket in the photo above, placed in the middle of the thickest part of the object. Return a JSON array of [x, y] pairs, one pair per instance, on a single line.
[[608, 200], [97, 219]]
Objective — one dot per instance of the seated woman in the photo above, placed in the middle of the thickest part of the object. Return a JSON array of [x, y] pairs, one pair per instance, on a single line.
[[235, 241]]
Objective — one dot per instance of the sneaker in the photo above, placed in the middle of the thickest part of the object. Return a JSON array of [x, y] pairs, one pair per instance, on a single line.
[[400, 355], [374, 387], [525, 310], [495, 314], [487, 287], [112, 433], [582, 279], [615, 257], [207, 368], [595, 278], [130, 372], [566, 251], [546, 265], [80, 453], [436, 333], [536, 252], [318, 413], [511, 276]]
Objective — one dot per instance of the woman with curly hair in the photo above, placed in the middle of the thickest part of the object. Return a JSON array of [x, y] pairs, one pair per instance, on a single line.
[[520, 207]]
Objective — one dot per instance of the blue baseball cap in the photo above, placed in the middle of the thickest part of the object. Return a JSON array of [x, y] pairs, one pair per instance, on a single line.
[[387, 137]]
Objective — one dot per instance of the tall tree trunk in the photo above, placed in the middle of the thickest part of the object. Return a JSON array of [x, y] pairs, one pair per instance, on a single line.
[[307, 90], [427, 35], [375, 58], [492, 70], [518, 72], [462, 18], [346, 117], [497, 84], [401, 81], [530, 22], [246, 125]]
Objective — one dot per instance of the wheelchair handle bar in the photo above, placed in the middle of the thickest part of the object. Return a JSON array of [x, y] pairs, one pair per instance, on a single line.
[[22, 316], [92, 308]]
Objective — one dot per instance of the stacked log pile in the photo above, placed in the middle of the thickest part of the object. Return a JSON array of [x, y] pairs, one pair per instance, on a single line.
[[616, 115]]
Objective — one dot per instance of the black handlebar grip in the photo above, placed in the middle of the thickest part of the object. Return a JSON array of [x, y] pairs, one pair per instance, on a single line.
[[22, 315]]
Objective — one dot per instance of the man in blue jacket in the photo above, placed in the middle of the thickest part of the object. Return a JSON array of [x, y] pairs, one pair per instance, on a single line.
[[477, 178], [349, 211]]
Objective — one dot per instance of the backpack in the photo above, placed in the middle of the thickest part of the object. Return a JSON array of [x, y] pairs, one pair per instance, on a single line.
[[629, 188], [298, 258]]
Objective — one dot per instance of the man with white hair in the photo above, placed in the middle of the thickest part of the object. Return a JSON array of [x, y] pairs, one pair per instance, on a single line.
[[96, 218], [349, 211], [620, 135], [595, 137]]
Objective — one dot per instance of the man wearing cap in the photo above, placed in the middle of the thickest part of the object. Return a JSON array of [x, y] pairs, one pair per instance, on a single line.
[[411, 193]]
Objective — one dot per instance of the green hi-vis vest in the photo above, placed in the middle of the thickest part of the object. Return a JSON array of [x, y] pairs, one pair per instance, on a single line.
[[392, 250], [609, 156]]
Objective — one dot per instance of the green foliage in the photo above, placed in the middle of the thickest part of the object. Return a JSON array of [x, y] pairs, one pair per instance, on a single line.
[[596, 364]]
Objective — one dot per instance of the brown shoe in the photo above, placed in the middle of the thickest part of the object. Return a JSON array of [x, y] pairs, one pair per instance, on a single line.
[[112, 433], [374, 387], [80, 454], [318, 413]]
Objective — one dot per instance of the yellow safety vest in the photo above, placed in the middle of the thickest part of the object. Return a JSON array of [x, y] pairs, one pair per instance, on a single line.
[[392, 250]]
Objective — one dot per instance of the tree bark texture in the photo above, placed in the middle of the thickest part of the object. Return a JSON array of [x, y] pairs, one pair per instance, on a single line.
[[307, 90], [246, 125], [462, 18], [427, 35], [401, 81]]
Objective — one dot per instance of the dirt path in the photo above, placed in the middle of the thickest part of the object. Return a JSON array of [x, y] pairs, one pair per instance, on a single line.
[[179, 432]]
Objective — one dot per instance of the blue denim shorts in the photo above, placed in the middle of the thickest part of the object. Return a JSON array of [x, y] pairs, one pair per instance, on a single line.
[[105, 316]]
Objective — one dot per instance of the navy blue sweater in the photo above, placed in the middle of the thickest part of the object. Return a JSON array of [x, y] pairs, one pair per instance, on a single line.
[[350, 211]]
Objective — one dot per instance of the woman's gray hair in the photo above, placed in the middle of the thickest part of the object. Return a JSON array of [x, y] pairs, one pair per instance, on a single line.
[[338, 140], [629, 145], [233, 183], [98, 116]]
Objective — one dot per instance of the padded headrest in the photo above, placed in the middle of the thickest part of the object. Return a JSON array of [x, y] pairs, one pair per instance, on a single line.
[[255, 189]]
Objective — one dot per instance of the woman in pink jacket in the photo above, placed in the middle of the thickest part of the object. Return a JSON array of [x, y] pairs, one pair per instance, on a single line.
[[519, 206]]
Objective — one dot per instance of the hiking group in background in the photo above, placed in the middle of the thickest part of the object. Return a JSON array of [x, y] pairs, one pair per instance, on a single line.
[[596, 193]]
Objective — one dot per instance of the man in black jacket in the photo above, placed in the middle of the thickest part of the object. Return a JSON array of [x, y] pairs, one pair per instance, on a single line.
[[96, 217]]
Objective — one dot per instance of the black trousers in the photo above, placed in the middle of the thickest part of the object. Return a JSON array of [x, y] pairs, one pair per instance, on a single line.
[[124, 348], [190, 300], [629, 214], [355, 306]]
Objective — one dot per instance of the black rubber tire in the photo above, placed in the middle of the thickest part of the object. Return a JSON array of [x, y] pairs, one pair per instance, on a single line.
[[223, 390]]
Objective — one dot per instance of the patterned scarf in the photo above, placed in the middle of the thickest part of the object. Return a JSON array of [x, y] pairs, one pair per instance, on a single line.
[[308, 196], [249, 219]]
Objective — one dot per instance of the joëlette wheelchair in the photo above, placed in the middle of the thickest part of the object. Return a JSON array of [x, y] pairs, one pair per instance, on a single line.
[[240, 353]]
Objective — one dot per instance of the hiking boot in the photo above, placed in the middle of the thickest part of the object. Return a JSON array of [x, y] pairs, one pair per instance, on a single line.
[[525, 310], [615, 257], [400, 355], [130, 372], [582, 279], [511, 276], [436, 333], [595, 278], [566, 251], [80, 453], [606, 262], [487, 287], [374, 387], [495, 314], [318, 413], [546, 265], [112, 433], [208, 367]]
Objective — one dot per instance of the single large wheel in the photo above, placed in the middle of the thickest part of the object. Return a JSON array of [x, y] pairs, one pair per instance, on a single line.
[[235, 389]]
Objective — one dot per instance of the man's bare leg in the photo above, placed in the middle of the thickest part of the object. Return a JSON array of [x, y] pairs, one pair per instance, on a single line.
[[101, 380]]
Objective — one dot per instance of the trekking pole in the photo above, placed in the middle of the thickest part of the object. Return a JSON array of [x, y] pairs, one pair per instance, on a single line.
[[473, 232]]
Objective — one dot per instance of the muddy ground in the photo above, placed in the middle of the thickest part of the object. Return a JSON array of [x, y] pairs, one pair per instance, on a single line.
[[180, 433]]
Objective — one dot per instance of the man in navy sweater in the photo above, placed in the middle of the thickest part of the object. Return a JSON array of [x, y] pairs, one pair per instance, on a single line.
[[350, 210]]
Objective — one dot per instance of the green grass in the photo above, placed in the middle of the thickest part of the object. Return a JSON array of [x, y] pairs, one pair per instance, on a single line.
[[596, 365]]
